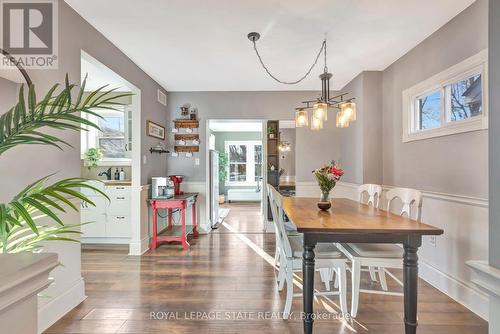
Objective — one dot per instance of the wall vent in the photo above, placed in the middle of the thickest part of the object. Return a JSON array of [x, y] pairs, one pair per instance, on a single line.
[[162, 97]]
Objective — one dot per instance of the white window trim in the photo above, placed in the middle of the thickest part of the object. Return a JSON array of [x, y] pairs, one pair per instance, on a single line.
[[250, 170], [477, 64]]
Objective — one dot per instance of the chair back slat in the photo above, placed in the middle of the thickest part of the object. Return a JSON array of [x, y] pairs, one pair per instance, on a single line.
[[374, 191], [409, 197], [276, 202]]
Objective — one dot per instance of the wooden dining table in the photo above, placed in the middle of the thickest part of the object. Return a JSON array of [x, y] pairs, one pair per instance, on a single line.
[[351, 221]]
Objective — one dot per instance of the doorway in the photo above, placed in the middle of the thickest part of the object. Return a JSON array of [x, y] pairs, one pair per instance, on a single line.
[[112, 155], [235, 173]]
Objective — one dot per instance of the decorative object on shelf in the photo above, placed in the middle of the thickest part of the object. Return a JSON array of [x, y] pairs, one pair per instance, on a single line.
[[92, 157], [181, 142], [284, 146], [327, 177], [159, 148], [192, 114], [186, 124], [185, 111], [346, 107], [155, 130], [271, 132], [272, 168], [187, 149], [189, 136]]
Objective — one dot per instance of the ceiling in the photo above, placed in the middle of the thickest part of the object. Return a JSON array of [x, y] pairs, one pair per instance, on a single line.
[[200, 45]]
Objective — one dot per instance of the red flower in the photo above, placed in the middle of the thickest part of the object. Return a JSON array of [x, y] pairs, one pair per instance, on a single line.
[[336, 171]]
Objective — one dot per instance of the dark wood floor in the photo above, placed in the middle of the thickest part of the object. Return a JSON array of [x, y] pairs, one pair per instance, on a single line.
[[228, 275]]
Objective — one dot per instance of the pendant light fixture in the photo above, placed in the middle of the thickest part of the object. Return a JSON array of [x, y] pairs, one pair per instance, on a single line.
[[346, 108]]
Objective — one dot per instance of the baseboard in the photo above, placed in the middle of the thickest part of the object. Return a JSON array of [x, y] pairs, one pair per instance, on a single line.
[[54, 310], [138, 248], [468, 296], [113, 241]]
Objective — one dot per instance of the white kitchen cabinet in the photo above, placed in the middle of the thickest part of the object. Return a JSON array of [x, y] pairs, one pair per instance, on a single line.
[[110, 218]]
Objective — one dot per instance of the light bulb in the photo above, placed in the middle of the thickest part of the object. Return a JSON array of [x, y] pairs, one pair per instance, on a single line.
[[316, 123], [320, 111], [301, 118], [349, 111]]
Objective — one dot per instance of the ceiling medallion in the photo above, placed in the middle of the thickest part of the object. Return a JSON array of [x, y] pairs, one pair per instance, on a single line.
[[346, 108]]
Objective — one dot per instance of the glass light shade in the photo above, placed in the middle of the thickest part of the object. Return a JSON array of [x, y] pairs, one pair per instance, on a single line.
[[301, 118], [341, 120], [316, 123], [348, 109], [320, 111]]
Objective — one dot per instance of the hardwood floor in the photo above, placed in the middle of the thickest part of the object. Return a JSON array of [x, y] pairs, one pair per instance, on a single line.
[[228, 275]]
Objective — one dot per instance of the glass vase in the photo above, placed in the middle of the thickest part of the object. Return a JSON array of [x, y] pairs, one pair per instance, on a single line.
[[324, 201]]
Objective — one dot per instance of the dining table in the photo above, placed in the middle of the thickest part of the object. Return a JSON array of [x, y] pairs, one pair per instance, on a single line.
[[349, 221]]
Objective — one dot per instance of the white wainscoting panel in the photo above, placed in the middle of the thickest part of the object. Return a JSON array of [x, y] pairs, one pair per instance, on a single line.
[[442, 259]]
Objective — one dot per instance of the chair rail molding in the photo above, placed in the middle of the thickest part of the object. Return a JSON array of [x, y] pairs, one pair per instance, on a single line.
[[22, 277]]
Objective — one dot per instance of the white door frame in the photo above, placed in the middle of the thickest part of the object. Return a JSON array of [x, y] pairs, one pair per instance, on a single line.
[[263, 205], [138, 242]]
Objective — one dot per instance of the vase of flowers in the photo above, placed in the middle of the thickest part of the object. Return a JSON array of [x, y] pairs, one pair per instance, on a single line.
[[327, 176]]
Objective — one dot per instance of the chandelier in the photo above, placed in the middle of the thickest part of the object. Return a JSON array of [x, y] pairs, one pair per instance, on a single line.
[[346, 108]]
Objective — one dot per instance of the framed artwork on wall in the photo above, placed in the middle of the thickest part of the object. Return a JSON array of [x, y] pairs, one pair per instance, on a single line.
[[155, 130]]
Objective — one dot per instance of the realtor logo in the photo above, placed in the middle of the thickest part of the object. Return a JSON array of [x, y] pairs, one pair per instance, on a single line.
[[29, 33]]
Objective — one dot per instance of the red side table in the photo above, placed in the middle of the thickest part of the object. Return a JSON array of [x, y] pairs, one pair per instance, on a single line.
[[177, 233]]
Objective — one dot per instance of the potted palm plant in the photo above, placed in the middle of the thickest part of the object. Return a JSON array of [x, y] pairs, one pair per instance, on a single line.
[[25, 124]]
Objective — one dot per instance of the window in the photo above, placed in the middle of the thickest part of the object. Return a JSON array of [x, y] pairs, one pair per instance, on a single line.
[[115, 138], [245, 162], [450, 102]]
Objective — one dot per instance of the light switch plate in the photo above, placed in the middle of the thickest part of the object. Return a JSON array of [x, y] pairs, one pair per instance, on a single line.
[[197, 161], [144, 160]]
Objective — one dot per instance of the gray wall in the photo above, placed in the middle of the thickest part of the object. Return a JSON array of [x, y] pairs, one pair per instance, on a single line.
[[494, 132], [439, 164], [361, 142], [252, 105], [288, 162], [222, 137]]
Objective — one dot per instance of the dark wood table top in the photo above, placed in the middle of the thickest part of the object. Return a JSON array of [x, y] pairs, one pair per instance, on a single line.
[[348, 216]]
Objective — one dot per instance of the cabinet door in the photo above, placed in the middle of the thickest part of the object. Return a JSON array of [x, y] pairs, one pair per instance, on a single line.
[[117, 226], [94, 218]]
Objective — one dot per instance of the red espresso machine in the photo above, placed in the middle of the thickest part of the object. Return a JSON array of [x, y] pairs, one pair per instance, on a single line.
[[177, 180]]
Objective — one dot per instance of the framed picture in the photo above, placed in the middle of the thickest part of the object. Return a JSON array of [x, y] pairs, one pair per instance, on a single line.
[[155, 130]]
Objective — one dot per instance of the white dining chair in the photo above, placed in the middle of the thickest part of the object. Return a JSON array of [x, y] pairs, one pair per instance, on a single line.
[[326, 274], [373, 193], [291, 249], [381, 256]]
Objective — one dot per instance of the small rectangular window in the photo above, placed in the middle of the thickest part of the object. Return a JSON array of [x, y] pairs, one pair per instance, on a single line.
[[450, 102], [245, 162]]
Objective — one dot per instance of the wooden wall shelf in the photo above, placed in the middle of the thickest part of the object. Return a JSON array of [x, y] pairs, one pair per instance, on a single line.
[[187, 136], [186, 123], [187, 148]]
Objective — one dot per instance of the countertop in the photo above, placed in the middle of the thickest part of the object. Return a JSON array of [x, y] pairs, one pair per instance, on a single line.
[[117, 183]]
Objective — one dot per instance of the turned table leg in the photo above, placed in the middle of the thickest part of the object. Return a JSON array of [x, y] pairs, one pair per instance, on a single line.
[[410, 278], [308, 288]]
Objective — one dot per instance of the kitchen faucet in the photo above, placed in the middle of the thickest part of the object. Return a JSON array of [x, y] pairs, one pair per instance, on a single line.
[[107, 173]]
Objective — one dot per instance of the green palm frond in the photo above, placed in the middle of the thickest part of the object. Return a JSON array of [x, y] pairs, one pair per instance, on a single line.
[[22, 239], [22, 123], [43, 201]]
